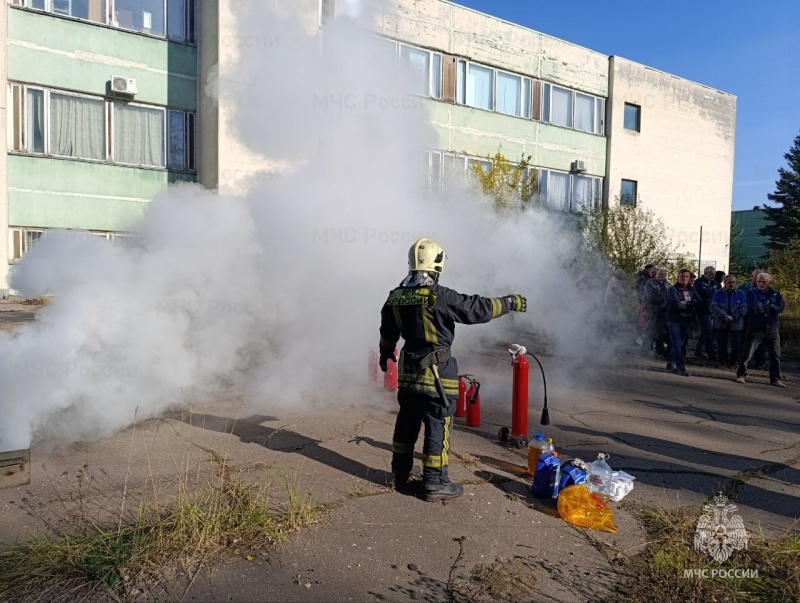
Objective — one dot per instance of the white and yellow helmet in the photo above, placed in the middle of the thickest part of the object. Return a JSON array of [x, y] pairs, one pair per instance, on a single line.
[[426, 255]]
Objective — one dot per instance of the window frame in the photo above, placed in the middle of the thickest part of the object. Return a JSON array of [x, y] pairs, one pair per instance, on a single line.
[[106, 128], [435, 58], [598, 109], [635, 192], [164, 140], [22, 232], [596, 186], [638, 117], [525, 89], [17, 128], [189, 19]]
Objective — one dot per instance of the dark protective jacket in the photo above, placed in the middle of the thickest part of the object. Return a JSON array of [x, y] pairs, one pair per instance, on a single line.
[[705, 290], [763, 308], [425, 317], [677, 310]]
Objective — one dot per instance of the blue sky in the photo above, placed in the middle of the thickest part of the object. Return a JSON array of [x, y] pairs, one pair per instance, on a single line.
[[749, 49]]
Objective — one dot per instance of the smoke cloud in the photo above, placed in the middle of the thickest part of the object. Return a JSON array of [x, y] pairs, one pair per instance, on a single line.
[[276, 293]]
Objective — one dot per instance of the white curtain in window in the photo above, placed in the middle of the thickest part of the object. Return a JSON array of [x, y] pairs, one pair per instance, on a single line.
[[176, 20], [416, 64], [77, 126], [584, 113], [480, 87], [558, 191], [437, 76], [34, 121], [509, 88], [526, 98], [138, 135], [177, 140], [561, 107], [582, 193], [461, 76]]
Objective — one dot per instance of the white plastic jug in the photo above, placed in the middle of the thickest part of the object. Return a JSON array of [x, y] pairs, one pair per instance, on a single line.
[[598, 475]]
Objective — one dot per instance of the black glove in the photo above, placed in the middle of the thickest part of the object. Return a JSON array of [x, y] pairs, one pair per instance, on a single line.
[[517, 303], [384, 359]]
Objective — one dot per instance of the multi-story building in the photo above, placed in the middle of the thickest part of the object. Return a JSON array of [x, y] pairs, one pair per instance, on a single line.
[[100, 114], [747, 224], [598, 128]]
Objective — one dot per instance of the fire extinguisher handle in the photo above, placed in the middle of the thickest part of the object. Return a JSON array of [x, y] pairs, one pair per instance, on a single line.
[[477, 390]]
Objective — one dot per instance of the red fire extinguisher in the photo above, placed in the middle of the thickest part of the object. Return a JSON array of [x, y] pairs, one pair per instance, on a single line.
[[461, 404], [390, 376], [519, 400], [473, 398]]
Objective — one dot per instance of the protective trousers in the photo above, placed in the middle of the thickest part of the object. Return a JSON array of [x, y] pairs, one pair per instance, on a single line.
[[416, 409]]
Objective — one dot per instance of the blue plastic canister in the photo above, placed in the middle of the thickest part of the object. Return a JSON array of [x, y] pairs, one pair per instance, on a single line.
[[547, 476]]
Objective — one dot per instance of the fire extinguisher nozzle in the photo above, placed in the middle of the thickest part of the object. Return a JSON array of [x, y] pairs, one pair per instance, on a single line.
[[545, 420]]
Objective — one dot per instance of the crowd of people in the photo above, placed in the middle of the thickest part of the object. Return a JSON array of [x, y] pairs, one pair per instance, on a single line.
[[738, 325]]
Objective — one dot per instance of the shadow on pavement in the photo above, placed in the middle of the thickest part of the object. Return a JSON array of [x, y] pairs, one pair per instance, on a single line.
[[250, 430], [706, 480]]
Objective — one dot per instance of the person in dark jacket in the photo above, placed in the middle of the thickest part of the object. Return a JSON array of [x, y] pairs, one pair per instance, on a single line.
[[682, 305], [759, 358], [704, 286], [728, 309], [764, 306], [424, 314], [655, 294]]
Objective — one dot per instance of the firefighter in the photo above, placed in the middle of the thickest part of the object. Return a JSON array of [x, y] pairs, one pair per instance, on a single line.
[[424, 314]]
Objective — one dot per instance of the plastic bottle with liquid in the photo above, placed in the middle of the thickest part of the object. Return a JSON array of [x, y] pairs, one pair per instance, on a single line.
[[537, 446], [598, 475]]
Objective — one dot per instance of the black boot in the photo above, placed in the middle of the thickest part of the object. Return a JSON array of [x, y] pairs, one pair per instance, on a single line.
[[442, 492]]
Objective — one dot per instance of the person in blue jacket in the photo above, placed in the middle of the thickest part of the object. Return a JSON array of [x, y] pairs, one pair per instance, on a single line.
[[764, 305], [728, 309], [682, 305]]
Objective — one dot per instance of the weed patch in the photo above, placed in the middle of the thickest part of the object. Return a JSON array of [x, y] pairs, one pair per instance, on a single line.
[[659, 573], [124, 560]]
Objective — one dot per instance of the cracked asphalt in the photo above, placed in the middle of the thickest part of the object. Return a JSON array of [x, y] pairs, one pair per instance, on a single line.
[[684, 439]]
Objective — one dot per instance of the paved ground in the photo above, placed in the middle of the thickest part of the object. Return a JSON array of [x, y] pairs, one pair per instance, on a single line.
[[683, 438]]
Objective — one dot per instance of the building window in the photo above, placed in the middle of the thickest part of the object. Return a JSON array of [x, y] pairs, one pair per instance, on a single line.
[[26, 119], [63, 124], [491, 89], [570, 109], [173, 19], [628, 193], [77, 126], [633, 114], [420, 68], [139, 135], [21, 241], [180, 154], [568, 192]]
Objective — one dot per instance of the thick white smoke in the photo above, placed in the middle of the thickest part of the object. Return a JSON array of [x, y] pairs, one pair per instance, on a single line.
[[277, 292]]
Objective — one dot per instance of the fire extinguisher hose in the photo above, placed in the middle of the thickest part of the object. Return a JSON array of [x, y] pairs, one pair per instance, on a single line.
[[545, 420]]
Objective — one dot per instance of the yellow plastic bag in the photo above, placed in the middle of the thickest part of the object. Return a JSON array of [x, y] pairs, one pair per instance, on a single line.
[[580, 507]]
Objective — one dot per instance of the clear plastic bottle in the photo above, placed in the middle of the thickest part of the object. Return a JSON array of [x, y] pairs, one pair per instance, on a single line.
[[598, 475], [537, 446]]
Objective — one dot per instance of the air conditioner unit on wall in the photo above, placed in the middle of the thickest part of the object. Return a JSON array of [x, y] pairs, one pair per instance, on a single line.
[[578, 166], [123, 85]]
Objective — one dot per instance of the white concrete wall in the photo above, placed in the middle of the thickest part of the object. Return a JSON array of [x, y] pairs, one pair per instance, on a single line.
[[467, 33], [4, 154], [683, 157], [238, 166]]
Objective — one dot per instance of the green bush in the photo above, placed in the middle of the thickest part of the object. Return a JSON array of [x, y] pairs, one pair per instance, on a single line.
[[790, 329]]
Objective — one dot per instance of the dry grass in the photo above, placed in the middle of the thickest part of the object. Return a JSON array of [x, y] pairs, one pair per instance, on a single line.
[[658, 573], [158, 544]]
